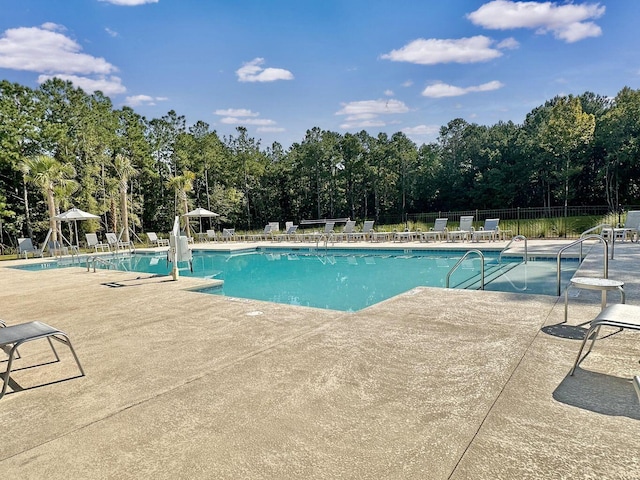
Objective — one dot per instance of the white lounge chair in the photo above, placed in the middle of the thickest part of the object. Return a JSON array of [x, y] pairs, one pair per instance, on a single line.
[[490, 230], [316, 236], [464, 231], [438, 232], [629, 230], [25, 247], [619, 316], [266, 233], [365, 234], [289, 234], [93, 242], [228, 234], [349, 229], [158, 242], [112, 240], [211, 236]]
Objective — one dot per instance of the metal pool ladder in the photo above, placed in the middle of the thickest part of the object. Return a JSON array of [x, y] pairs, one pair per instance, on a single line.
[[455, 267], [525, 258], [605, 247]]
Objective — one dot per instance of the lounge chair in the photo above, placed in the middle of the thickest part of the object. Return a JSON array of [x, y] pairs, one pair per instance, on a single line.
[[228, 234], [211, 236], [618, 315], [266, 233], [438, 232], [56, 248], [25, 247], [367, 229], [93, 242], [464, 231], [317, 236], [289, 234], [490, 230], [16, 335], [365, 234], [158, 242], [116, 244], [347, 231], [629, 230]]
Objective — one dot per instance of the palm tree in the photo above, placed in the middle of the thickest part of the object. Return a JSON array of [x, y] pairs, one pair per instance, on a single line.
[[125, 170], [181, 184], [48, 174]]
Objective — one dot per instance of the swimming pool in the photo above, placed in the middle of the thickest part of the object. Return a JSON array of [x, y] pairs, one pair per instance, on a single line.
[[350, 280]]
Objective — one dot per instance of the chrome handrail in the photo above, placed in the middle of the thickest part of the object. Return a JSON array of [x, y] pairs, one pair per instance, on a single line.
[[454, 268], [602, 226], [517, 237], [94, 261], [605, 246]]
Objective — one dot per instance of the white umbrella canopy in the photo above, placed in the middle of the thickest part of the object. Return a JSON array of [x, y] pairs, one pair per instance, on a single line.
[[199, 213], [73, 215]]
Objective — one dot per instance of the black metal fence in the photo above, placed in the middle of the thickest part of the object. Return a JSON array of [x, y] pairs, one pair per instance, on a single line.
[[532, 222]]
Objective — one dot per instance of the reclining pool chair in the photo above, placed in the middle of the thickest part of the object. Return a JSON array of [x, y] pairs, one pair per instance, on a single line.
[[16, 335], [438, 231], [490, 230], [464, 231], [25, 247], [619, 316], [158, 242], [92, 241], [629, 230]]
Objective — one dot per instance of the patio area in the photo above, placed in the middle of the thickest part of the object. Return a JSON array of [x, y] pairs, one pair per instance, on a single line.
[[431, 384]]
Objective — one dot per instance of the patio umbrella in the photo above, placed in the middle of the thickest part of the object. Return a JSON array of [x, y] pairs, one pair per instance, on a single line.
[[199, 213], [74, 215]]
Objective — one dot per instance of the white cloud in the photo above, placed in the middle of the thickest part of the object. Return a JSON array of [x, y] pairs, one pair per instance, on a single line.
[[112, 33], [568, 22], [270, 129], [129, 3], [439, 89], [363, 124], [137, 100], [372, 107], [408, 83], [365, 113], [421, 130], [389, 93], [247, 121], [107, 85], [509, 44], [236, 112], [245, 117], [253, 72], [44, 50], [434, 51]]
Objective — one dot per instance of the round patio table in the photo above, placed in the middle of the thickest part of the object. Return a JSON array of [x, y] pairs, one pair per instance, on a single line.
[[594, 283]]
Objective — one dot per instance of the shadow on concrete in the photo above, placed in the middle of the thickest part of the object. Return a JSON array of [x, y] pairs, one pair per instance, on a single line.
[[600, 393]]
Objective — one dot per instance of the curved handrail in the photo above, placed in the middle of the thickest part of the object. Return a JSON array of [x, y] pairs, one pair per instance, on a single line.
[[602, 226], [517, 237], [94, 261], [580, 242], [593, 229], [455, 267]]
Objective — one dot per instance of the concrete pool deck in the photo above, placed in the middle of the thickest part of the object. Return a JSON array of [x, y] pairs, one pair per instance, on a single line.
[[431, 384]]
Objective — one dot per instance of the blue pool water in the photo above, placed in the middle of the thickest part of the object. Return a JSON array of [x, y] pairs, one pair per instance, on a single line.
[[350, 280]]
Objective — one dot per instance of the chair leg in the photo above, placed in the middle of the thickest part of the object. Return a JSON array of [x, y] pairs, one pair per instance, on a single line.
[[62, 339], [595, 330]]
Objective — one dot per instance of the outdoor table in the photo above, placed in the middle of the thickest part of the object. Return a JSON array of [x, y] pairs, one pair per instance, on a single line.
[[593, 283]]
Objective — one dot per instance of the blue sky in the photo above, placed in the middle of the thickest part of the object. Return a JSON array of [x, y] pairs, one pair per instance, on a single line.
[[281, 67]]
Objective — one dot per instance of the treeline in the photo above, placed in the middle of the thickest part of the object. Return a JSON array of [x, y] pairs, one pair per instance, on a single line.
[[62, 147]]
